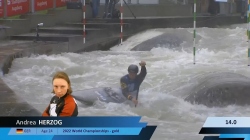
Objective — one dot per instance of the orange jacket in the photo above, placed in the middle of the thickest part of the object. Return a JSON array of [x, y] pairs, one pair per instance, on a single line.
[[65, 106]]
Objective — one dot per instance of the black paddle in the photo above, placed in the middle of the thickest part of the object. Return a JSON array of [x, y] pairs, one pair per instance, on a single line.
[[136, 98]]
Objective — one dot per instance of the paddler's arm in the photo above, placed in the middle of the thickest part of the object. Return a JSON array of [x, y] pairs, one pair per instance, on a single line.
[[143, 71], [124, 87]]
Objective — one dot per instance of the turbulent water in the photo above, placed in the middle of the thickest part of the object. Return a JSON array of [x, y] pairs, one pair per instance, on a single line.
[[220, 49]]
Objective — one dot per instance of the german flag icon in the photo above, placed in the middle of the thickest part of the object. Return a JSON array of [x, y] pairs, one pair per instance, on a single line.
[[19, 131]]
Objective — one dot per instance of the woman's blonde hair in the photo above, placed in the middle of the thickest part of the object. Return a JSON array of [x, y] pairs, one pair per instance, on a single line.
[[62, 75]]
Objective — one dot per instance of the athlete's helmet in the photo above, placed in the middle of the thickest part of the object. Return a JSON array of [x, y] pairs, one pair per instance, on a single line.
[[133, 68]]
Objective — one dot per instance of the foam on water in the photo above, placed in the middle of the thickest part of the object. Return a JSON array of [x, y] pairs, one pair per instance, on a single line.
[[137, 39], [161, 97]]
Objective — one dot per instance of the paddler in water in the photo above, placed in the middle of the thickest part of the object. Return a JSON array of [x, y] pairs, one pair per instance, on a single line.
[[63, 103], [130, 83]]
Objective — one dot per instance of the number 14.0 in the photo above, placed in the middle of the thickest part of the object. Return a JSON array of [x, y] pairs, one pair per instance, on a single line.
[[231, 122]]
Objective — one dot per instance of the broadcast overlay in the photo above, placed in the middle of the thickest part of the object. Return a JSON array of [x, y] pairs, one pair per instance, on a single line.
[[77, 128], [227, 128], [111, 128]]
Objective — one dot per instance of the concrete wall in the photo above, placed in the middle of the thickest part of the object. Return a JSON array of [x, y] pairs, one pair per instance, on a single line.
[[155, 10], [225, 7], [69, 15], [29, 21], [19, 26], [147, 10], [3, 33]]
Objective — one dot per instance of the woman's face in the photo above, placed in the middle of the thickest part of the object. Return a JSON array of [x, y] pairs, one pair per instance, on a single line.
[[60, 87]]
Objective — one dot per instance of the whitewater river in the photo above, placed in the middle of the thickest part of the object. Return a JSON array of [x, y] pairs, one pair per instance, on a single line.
[[169, 70]]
